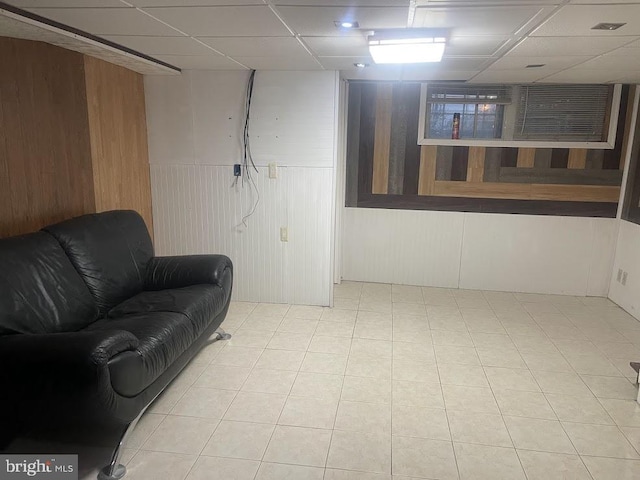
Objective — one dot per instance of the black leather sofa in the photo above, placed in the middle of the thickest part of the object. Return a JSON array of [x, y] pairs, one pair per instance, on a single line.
[[93, 326]]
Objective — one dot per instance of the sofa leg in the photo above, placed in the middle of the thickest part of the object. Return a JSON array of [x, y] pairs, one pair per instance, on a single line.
[[115, 470], [222, 335]]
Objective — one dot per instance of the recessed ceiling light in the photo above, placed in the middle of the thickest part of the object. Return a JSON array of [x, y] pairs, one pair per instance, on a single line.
[[346, 24], [361, 65], [608, 26], [535, 65], [407, 45]]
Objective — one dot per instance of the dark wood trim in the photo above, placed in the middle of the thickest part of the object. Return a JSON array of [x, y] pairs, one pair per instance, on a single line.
[[367, 134], [412, 149]]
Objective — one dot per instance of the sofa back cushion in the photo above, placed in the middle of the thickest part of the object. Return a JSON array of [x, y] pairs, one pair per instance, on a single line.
[[40, 290], [110, 250]]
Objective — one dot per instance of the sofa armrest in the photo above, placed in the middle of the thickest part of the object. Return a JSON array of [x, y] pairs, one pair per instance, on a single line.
[[186, 270]]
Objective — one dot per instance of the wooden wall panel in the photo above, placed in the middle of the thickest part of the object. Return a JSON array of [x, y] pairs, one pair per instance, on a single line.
[[526, 157], [427, 169], [475, 167], [45, 156], [577, 158], [115, 98], [382, 138]]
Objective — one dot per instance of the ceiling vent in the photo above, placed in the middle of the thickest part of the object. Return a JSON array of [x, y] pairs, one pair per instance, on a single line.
[[608, 26]]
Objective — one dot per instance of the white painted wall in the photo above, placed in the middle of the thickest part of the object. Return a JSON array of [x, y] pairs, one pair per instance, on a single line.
[[524, 253], [195, 124], [627, 258]]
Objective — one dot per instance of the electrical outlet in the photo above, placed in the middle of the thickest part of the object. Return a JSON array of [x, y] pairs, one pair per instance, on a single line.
[[237, 171], [624, 278], [619, 278], [284, 234], [273, 170]]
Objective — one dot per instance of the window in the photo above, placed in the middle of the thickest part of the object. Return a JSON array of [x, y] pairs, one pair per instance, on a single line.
[[552, 116]]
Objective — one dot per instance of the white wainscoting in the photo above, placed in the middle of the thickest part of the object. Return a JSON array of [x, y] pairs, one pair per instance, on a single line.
[[524, 253], [627, 258]]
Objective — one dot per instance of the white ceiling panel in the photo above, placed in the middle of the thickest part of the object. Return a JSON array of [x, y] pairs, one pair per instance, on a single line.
[[612, 62], [457, 63], [338, 46], [434, 73], [161, 45], [469, 46], [375, 72], [192, 3], [256, 46], [318, 21], [200, 62], [511, 76], [65, 3], [577, 20], [280, 63], [107, 21], [554, 63], [344, 63], [251, 21], [566, 46], [423, 3], [470, 21], [582, 75], [344, 3]]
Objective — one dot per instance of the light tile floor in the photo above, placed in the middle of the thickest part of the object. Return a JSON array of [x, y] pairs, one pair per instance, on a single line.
[[404, 382]]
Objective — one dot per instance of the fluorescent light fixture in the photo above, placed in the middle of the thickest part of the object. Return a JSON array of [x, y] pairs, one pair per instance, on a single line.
[[361, 65], [409, 45], [346, 24]]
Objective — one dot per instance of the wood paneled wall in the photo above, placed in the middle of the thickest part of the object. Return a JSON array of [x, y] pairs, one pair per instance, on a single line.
[[72, 137]]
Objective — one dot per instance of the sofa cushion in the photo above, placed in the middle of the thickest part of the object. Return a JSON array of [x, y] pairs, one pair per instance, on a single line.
[[199, 303], [40, 291], [163, 337], [110, 250]]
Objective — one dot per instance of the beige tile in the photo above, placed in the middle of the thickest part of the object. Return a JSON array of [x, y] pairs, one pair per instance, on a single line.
[[406, 294], [450, 337], [269, 381], [511, 378], [324, 363], [420, 422], [458, 355], [373, 331], [347, 290], [241, 308], [327, 344], [560, 382], [374, 348], [364, 452], [599, 440], [492, 340], [208, 352], [633, 435], [538, 434], [409, 308], [415, 352], [500, 357], [160, 466], [416, 394], [335, 329], [623, 412], [309, 412], [223, 377], [248, 338], [447, 322], [232, 356], [579, 409], [552, 466], [364, 417], [254, 325], [401, 334], [256, 407], [227, 468], [524, 404], [204, 403], [415, 323], [145, 427], [485, 325], [277, 471], [298, 325], [592, 364], [271, 309], [317, 385], [333, 474], [425, 458], [469, 399], [374, 304], [410, 371], [468, 375], [306, 312], [483, 428], [280, 360], [369, 390], [547, 362], [339, 315], [290, 341], [612, 468], [611, 387], [481, 462], [239, 440], [534, 344], [181, 435], [346, 303], [369, 366], [298, 446]]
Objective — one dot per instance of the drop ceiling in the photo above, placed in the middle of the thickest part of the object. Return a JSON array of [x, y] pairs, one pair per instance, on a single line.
[[489, 40]]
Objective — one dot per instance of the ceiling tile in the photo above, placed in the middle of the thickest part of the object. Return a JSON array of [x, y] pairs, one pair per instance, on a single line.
[[473, 20], [612, 62], [458, 63], [107, 21], [256, 46], [192, 3], [478, 45], [200, 62], [344, 3], [577, 20], [251, 21], [511, 76], [344, 63], [562, 46], [374, 72], [64, 3], [280, 63], [318, 21], [338, 46], [161, 45], [435, 72], [551, 63], [583, 75], [421, 3]]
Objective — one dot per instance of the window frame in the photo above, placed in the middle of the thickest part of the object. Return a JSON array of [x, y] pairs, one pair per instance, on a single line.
[[508, 123]]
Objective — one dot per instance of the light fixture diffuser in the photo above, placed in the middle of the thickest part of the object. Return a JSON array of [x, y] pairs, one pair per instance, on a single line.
[[408, 45]]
